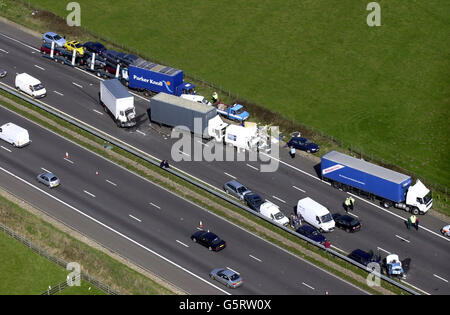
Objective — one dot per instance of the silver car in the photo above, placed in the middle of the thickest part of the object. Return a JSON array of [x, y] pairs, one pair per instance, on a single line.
[[48, 179], [2, 73], [236, 189], [227, 277]]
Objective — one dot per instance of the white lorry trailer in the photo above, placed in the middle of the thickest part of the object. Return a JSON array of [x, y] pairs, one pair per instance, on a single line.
[[117, 101]]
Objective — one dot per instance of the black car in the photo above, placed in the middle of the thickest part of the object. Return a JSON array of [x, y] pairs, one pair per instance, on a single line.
[[303, 144], [253, 201], [95, 47], [311, 233], [209, 239], [346, 222], [128, 59], [364, 258]]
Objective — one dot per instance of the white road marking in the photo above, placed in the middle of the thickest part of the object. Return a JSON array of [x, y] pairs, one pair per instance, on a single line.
[[140, 132], [352, 214], [229, 175], [307, 285], [416, 288], [379, 248], [251, 166], [6, 149], [111, 183], [76, 84], [13, 39], [155, 205], [279, 199], [39, 67], [299, 189], [255, 258], [440, 278], [182, 243], [58, 93], [45, 170], [4, 51], [134, 218], [403, 239], [98, 112], [87, 192], [68, 160]]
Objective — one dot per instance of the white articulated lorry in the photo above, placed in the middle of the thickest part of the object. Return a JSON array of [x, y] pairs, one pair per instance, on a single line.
[[117, 101]]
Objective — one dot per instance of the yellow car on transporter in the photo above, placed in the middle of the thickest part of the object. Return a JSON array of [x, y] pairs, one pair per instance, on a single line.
[[74, 45]]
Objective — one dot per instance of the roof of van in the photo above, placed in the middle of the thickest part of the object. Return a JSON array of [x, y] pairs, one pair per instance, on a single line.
[[32, 80], [309, 203]]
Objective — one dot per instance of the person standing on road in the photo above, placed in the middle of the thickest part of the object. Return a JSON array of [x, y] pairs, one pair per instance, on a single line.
[[292, 152], [412, 221], [417, 224], [347, 203], [352, 202]]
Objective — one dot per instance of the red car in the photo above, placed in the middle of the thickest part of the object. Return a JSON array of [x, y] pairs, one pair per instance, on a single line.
[[46, 50]]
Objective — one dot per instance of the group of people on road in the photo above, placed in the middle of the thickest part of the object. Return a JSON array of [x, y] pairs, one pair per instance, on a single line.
[[414, 221], [349, 203], [295, 221]]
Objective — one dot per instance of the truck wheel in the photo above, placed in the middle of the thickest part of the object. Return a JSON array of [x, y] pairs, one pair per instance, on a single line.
[[386, 204], [415, 211]]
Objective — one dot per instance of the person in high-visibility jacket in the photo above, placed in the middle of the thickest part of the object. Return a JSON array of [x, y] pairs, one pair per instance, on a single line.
[[352, 202], [215, 97], [347, 204], [414, 221]]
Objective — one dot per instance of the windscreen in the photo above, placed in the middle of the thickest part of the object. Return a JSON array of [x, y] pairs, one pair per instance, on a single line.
[[428, 197], [38, 87], [326, 218]]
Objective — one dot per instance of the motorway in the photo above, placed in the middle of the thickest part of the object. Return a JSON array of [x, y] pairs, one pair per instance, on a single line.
[[153, 217], [74, 92]]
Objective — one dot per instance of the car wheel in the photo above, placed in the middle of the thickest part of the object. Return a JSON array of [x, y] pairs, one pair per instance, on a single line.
[[347, 230], [211, 276], [210, 248], [194, 240]]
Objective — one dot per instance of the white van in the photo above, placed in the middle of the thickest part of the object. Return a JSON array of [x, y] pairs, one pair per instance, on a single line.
[[272, 211], [15, 135], [315, 214], [29, 85]]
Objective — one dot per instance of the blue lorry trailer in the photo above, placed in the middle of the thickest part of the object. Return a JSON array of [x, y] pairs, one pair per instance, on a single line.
[[375, 182], [151, 77]]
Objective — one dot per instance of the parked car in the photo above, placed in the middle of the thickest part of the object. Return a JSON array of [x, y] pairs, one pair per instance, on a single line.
[[236, 189], [227, 277], [48, 179], [312, 233], [50, 37], [209, 239], [364, 258], [3, 73], [253, 200], [346, 222], [97, 63], [95, 47], [75, 45], [446, 230], [303, 144], [113, 56], [128, 59], [47, 50]]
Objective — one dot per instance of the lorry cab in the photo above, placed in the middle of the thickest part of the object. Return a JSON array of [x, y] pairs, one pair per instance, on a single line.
[[315, 214], [186, 88], [15, 135], [30, 85], [419, 198], [272, 211]]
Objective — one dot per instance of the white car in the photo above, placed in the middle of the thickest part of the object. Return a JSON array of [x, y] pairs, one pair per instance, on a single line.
[[446, 230]]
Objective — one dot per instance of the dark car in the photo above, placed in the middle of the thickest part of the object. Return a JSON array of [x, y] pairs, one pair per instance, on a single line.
[[346, 222], [209, 239], [311, 233], [364, 258], [253, 201], [95, 47], [303, 144], [128, 59], [113, 56]]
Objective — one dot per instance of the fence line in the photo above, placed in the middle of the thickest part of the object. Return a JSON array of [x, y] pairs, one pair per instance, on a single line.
[[59, 287]]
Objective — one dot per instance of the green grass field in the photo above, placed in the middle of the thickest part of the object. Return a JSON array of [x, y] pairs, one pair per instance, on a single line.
[[383, 90], [24, 272]]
